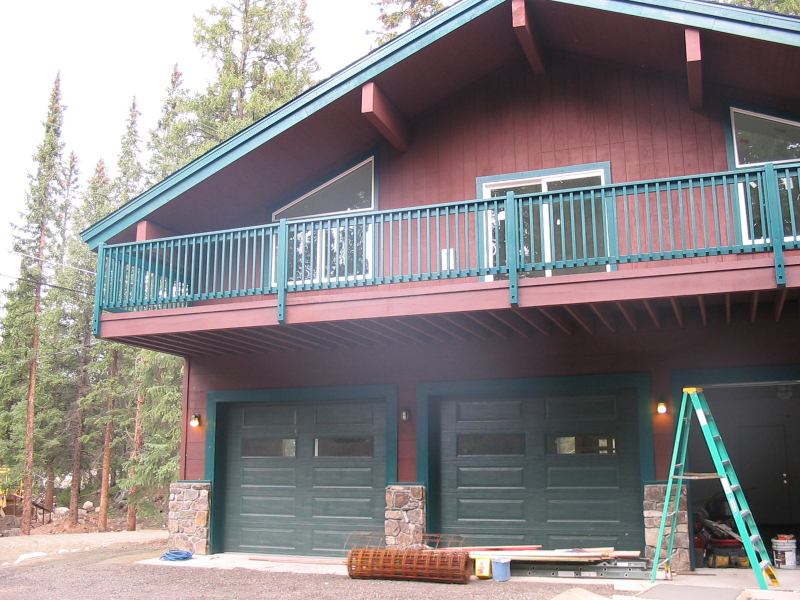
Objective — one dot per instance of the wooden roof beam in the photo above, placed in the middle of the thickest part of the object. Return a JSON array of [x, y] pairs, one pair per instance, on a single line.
[[780, 302], [534, 318], [694, 67], [380, 111], [630, 316], [513, 321], [727, 309], [676, 308], [526, 34], [605, 315], [754, 307], [652, 310], [581, 315], [562, 321], [703, 313]]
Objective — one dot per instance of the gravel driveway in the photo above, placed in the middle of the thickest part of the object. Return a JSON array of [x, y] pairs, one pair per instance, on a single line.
[[110, 574]]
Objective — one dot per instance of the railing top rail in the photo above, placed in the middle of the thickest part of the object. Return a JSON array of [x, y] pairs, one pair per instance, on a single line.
[[195, 235]]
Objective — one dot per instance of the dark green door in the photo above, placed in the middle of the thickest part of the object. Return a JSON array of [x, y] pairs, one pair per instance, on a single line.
[[560, 471], [300, 477]]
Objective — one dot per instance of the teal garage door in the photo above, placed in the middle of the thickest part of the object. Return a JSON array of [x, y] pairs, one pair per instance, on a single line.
[[560, 471], [301, 477]]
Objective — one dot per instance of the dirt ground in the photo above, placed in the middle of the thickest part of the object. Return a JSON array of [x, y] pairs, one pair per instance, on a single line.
[[110, 574]]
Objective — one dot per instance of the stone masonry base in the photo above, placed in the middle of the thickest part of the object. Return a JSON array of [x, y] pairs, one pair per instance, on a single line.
[[189, 509], [653, 511], [405, 515]]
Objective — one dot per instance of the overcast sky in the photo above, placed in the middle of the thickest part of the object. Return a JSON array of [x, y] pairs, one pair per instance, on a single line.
[[107, 53]]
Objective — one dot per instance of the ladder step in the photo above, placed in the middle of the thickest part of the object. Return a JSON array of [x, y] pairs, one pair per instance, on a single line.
[[756, 539], [747, 515]]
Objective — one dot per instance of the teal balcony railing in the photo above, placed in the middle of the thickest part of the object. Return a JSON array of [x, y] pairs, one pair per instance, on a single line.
[[581, 230]]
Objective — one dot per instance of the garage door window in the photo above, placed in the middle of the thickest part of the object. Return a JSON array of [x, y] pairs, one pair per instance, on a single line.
[[491, 445], [268, 447], [349, 447], [581, 444]]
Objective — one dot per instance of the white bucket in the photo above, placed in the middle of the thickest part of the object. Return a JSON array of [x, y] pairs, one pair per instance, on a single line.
[[785, 553]]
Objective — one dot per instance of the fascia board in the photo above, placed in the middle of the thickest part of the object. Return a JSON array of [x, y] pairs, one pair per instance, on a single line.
[[711, 16], [288, 115]]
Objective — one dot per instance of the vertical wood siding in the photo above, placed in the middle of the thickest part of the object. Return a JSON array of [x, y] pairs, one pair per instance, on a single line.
[[581, 111]]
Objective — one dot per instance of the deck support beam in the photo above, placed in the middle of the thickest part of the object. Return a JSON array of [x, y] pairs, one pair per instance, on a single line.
[[380, 111], [694, 68], [526, 34]]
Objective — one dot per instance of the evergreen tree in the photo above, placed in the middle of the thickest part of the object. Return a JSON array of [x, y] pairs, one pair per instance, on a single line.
[[787, 7], [397, 16], [171, 140], [262, 55], [128, 183], [34, 241]]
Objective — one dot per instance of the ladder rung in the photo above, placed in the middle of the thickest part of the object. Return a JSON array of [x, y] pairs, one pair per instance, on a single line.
[[746, 514], [755, 539]]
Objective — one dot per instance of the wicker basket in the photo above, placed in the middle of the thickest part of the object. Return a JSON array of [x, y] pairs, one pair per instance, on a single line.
[[436, 566]]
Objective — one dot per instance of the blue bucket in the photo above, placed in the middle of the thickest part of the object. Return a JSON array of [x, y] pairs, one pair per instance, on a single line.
[[501, 569]]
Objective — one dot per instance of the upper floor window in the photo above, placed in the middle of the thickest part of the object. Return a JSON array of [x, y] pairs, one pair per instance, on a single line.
[[353, 190], [759, 139]]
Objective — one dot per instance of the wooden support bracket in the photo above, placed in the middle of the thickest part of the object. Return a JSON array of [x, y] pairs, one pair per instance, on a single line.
[[380, 111], [694, 68], [526, 34]]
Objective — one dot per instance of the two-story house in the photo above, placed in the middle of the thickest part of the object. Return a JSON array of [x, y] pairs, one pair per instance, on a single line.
[[483, 259]]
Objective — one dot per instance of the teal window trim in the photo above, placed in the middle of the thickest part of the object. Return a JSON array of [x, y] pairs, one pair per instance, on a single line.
[[327, 179], [609, 202], [570, 170], [215, 461], [731, 105], [428, 392]]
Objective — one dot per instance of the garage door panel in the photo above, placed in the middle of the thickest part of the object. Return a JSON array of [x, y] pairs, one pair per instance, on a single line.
[[485, 411], [490, 509], [300, 477], [266, 477], [268, 506], [343, 508], [587, 484], [344, 477], [582, 478], [275, 416], [594, 408], [267, 539], [351, 414], [583, 512], [506, 478]]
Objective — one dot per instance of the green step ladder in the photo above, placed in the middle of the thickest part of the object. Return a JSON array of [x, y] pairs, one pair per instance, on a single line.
[[694, 401]]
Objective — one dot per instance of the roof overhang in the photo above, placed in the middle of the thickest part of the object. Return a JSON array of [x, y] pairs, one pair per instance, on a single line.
[[293, 148]]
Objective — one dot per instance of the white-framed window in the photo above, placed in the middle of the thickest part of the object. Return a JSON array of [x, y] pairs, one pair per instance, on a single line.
[[759, 139], [321, 251], [544, 228]]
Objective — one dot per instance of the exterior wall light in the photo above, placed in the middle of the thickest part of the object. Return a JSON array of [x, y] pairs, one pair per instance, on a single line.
[[405, 414], [661, 408], [195, 420]]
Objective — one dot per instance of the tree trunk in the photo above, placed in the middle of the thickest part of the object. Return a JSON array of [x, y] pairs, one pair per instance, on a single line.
[[137, 449], [77, 473], [77, 447], [50, 488], [27, 482], [102, 521]]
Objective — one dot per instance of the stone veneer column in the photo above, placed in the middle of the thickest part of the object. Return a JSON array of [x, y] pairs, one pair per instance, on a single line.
[[653, 511], [405, 515], [189, 510]]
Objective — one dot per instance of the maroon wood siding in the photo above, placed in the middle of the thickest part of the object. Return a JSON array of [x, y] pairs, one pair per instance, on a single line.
[[580, 111], [648, 350]]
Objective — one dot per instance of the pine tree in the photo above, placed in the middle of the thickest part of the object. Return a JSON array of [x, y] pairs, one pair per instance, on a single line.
[[171, 141], [22, 322], [786, 7], [262, 55], [397, 16], [128, 183]]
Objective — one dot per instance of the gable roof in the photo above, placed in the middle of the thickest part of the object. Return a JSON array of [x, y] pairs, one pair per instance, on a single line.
[[713, 17]]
